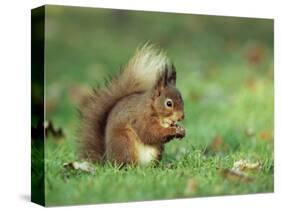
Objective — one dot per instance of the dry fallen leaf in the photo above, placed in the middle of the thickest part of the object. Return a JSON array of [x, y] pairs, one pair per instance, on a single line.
[[255, 54], [243, 165], [266, 135], [238, 171], [235, 175], [83, 166]]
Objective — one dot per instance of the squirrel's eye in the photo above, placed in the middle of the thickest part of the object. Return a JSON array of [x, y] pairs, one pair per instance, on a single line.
[[169, 103]]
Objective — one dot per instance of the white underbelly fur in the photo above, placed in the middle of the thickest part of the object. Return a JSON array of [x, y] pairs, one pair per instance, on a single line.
[[146, 154]]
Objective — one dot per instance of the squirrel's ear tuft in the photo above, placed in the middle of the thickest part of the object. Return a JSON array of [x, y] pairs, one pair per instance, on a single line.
[[172, 75], [167, 76]]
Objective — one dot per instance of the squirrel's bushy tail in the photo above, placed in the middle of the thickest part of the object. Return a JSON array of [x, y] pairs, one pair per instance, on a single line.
[[138, 75]]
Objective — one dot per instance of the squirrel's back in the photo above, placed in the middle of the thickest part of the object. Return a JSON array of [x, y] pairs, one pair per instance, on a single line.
[[139, 75]]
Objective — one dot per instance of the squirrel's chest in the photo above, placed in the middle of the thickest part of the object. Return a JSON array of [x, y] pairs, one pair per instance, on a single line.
[[146, 153]]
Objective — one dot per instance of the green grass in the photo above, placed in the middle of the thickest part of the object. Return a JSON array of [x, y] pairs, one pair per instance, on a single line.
[[226, 94]]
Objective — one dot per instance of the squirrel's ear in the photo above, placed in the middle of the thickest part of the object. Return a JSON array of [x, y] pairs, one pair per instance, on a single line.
[[161, 82], [172, 75]]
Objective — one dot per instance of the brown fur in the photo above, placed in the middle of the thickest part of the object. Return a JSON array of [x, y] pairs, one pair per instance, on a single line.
[[128, 121]]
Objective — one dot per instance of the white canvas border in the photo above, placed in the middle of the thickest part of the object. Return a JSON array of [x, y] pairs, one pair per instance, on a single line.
[[15, 104]]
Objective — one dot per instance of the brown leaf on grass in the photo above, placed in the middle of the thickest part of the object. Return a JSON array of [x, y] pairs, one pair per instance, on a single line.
[[82, 166], [266, 135], [235, 175], [191, 186], [217, 144], [255, 54], [238, 172], [244, 166]]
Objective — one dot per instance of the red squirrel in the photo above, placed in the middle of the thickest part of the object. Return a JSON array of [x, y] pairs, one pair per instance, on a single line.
[[129, 120]]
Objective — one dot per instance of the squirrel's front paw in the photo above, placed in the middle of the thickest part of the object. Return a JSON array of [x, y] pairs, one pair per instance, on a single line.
[[180, 132]]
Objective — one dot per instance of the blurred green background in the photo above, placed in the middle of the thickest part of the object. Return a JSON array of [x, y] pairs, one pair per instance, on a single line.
[[225, 73]]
